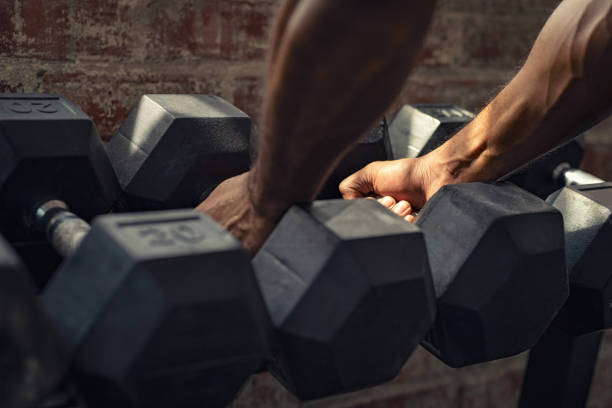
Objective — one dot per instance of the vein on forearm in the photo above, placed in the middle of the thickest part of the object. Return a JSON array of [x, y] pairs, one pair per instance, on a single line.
[[564, 88]]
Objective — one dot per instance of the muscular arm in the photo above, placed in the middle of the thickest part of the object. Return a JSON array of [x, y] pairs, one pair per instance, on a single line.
[[564, 88], [334, 67]]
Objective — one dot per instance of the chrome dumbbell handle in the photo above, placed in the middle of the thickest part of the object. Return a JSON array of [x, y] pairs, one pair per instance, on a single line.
[[568, 176]]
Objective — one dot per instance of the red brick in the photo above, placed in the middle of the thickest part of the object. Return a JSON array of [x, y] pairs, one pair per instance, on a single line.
[[7, 28], [442, 46], [46, 28], [233, 30], [102, 28], [497, 42], [108, 100], [248, 95]]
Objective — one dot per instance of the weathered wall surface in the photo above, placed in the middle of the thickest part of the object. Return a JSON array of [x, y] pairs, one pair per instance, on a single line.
[[103, 54]]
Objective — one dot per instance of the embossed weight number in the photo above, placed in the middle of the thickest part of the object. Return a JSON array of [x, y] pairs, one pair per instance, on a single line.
[[171, 235], [186, 233], [32, 106], [156, 237]]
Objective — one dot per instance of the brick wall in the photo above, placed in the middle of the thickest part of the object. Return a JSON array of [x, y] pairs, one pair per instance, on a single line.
[[103, 54]]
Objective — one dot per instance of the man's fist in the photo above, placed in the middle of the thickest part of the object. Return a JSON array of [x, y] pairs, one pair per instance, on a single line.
[[230, 205], [409, 180]]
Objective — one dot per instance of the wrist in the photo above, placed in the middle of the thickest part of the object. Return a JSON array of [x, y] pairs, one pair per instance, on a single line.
[[435, 174], [462, 159], [264, 202]]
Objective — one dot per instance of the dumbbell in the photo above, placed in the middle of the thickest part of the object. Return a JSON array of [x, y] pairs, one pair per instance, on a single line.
[[561, 365], [470, 232], [155, 310], [497, 259], [186, 141], [158, 309], [415, 130], [485, 345], [31, 364], [488, 330], [44, 142], [496, 256], [530, 252], [193, 142], [336, 293]]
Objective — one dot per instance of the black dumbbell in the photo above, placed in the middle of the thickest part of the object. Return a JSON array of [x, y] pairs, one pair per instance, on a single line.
[[196, 141], [561, 365], [189, 142], [586, 205], [496, 256], [49, 147], [31, 364], [348, 289], [497, 260], [153, 310], [337, 277], [469, 329], [486, 231], [518, 335], [158, 309], [415, 130]]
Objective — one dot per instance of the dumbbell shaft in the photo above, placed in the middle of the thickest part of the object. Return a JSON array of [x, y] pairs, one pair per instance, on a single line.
[[64, 229], [572, 177], [565, 175]]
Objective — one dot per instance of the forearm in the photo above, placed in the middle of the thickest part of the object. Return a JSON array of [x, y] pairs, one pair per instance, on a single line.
[[564, 88], [335, 67]]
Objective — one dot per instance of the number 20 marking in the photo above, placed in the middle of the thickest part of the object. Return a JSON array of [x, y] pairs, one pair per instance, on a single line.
[[32, 106]]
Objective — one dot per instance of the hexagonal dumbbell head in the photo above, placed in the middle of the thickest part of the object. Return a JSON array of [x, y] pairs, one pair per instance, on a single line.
[[418, 129], [348, 289], [498, 266], [49, 149], [31, 364], [159, 310], [173, 149], [587, 215], [374, 146]]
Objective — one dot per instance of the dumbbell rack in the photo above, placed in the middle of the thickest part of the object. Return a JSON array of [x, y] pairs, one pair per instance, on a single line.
[[559, 365], [560, 369]]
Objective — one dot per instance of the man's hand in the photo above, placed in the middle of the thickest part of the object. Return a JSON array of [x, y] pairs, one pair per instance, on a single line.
[[407, 180], [230, 205], [401, 208], [563, 88]]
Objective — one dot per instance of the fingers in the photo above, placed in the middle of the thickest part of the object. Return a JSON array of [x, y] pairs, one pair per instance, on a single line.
[[401, 208], [387, 201], [359, 184]]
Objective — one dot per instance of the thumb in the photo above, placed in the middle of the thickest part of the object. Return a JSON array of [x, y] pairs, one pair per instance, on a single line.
[[359, 184]]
